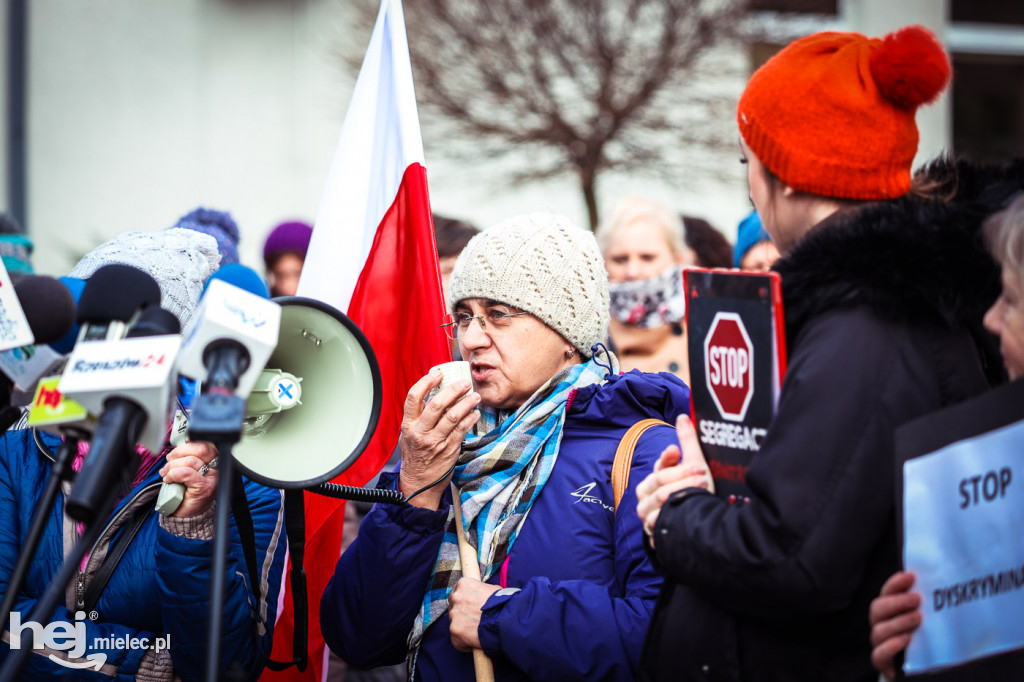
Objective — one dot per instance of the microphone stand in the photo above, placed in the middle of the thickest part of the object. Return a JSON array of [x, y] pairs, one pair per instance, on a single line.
[[217, 418], [61, 472]]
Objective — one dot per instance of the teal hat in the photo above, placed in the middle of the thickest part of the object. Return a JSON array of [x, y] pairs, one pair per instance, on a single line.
[[16, 252], [750, 233]]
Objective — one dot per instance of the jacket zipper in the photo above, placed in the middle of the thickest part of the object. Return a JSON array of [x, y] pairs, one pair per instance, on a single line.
[[80, 585], [80, 596]]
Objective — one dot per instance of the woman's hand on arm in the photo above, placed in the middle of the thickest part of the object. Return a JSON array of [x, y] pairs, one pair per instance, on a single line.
[[895, 614], [432, 435], [674, 470]]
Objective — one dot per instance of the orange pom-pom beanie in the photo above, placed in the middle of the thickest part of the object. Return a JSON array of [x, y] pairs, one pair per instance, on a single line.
[[832, 114]]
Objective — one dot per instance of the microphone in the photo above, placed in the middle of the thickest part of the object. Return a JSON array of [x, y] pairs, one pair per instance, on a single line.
[[235, 334], [242, 277], [233, 337], [48, 305], [128, 382], [106, 302], [49, 309], [111, 297]]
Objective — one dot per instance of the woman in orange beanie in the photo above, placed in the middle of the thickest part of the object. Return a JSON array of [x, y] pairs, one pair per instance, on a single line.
[[884, 293]]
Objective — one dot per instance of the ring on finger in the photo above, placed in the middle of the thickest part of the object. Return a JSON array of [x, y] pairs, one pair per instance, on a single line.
[[212, 464]]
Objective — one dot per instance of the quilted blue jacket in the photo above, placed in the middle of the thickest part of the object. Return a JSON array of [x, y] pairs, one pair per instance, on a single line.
[[159, 589], [587, 588]]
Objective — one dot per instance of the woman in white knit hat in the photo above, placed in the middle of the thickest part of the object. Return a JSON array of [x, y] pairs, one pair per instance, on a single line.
[[567, 589]]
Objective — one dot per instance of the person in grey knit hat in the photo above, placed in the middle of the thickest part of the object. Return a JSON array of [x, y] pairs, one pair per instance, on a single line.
[[180, 260], [534, 433], [543, 264]]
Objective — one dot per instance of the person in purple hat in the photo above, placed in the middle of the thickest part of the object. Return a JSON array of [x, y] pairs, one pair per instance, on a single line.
[[284, 252]]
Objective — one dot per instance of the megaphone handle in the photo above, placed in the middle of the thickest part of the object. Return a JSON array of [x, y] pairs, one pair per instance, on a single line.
[[170, 498], [471, 569]]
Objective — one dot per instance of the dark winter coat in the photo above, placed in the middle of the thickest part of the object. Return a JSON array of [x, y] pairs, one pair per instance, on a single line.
[[587, 586], [883, 308]]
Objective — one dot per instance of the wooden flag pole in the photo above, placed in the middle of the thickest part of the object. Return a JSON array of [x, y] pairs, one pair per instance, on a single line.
[[471, 569]]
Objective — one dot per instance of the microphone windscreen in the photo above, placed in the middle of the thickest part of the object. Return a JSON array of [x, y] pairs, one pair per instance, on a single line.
[[66, 343], [241, 277], [154, 321], [116, 292], [48, 306]]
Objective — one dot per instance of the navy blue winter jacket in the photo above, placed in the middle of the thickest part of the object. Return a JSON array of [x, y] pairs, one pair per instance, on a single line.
[[587, 586], [159, 589]]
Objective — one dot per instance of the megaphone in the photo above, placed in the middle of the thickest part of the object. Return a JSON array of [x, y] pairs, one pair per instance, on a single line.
[[315, 405]]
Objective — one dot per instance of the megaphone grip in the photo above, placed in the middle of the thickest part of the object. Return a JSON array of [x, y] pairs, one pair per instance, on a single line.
[[170, 498]]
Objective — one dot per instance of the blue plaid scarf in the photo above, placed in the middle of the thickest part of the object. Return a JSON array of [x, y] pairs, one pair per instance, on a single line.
[[503, 466]]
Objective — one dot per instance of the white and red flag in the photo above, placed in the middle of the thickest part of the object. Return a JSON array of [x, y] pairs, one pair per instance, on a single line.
[[372, 256]]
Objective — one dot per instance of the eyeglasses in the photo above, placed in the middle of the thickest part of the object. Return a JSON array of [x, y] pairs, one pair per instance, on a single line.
[[498, 317]]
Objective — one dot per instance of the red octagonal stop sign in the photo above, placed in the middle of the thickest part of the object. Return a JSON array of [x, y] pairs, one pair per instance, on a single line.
[[729, 365]]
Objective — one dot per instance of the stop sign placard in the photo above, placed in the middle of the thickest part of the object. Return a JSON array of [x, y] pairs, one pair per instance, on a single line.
[[729, 365]]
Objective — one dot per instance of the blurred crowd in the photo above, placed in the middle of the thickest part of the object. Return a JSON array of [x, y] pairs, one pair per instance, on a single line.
[[559, 517]]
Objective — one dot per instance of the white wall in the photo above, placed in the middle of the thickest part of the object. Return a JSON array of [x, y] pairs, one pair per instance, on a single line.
[[140, 111]]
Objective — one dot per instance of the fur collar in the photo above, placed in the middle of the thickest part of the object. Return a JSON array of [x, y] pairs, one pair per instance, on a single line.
[[910, 260]]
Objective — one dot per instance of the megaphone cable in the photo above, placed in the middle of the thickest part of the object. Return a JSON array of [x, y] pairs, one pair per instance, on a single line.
[[351, 492], [374, 495]]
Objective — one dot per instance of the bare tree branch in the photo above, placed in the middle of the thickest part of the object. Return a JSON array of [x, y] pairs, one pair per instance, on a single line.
[[601, 84]]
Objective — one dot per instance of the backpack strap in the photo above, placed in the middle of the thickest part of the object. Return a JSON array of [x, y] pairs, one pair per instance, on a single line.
[[114, 555], [624, 456]]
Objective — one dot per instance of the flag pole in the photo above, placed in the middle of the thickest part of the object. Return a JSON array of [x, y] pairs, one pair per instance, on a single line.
[[471, 569]]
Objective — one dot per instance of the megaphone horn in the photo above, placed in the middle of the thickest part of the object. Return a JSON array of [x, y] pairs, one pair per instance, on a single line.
[[316, 403]]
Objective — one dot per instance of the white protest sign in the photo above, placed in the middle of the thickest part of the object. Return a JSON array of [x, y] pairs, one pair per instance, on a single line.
[[964, 539]]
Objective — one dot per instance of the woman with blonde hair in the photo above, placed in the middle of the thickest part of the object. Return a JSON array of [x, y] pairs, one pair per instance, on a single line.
[[644, 250]]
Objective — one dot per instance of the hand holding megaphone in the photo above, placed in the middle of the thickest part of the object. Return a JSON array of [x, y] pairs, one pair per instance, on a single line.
[[193, 468]]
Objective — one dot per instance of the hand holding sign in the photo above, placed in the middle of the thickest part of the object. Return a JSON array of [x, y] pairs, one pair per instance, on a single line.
[[894, 616], [675, 470]]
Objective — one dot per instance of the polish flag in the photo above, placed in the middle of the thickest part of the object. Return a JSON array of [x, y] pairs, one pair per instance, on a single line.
[[373, 256]]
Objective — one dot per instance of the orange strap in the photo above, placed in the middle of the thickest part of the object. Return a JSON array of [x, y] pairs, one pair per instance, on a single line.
[[624, 456]]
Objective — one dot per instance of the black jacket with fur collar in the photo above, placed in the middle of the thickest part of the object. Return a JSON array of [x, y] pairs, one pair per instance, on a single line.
[[883, 306], [909, 260]]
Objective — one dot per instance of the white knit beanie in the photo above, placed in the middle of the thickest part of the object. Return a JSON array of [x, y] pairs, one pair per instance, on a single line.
[[179, 260], [544, 264]]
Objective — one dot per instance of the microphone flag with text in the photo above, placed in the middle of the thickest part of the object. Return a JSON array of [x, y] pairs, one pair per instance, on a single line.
[[234, 333], [126, 381]]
